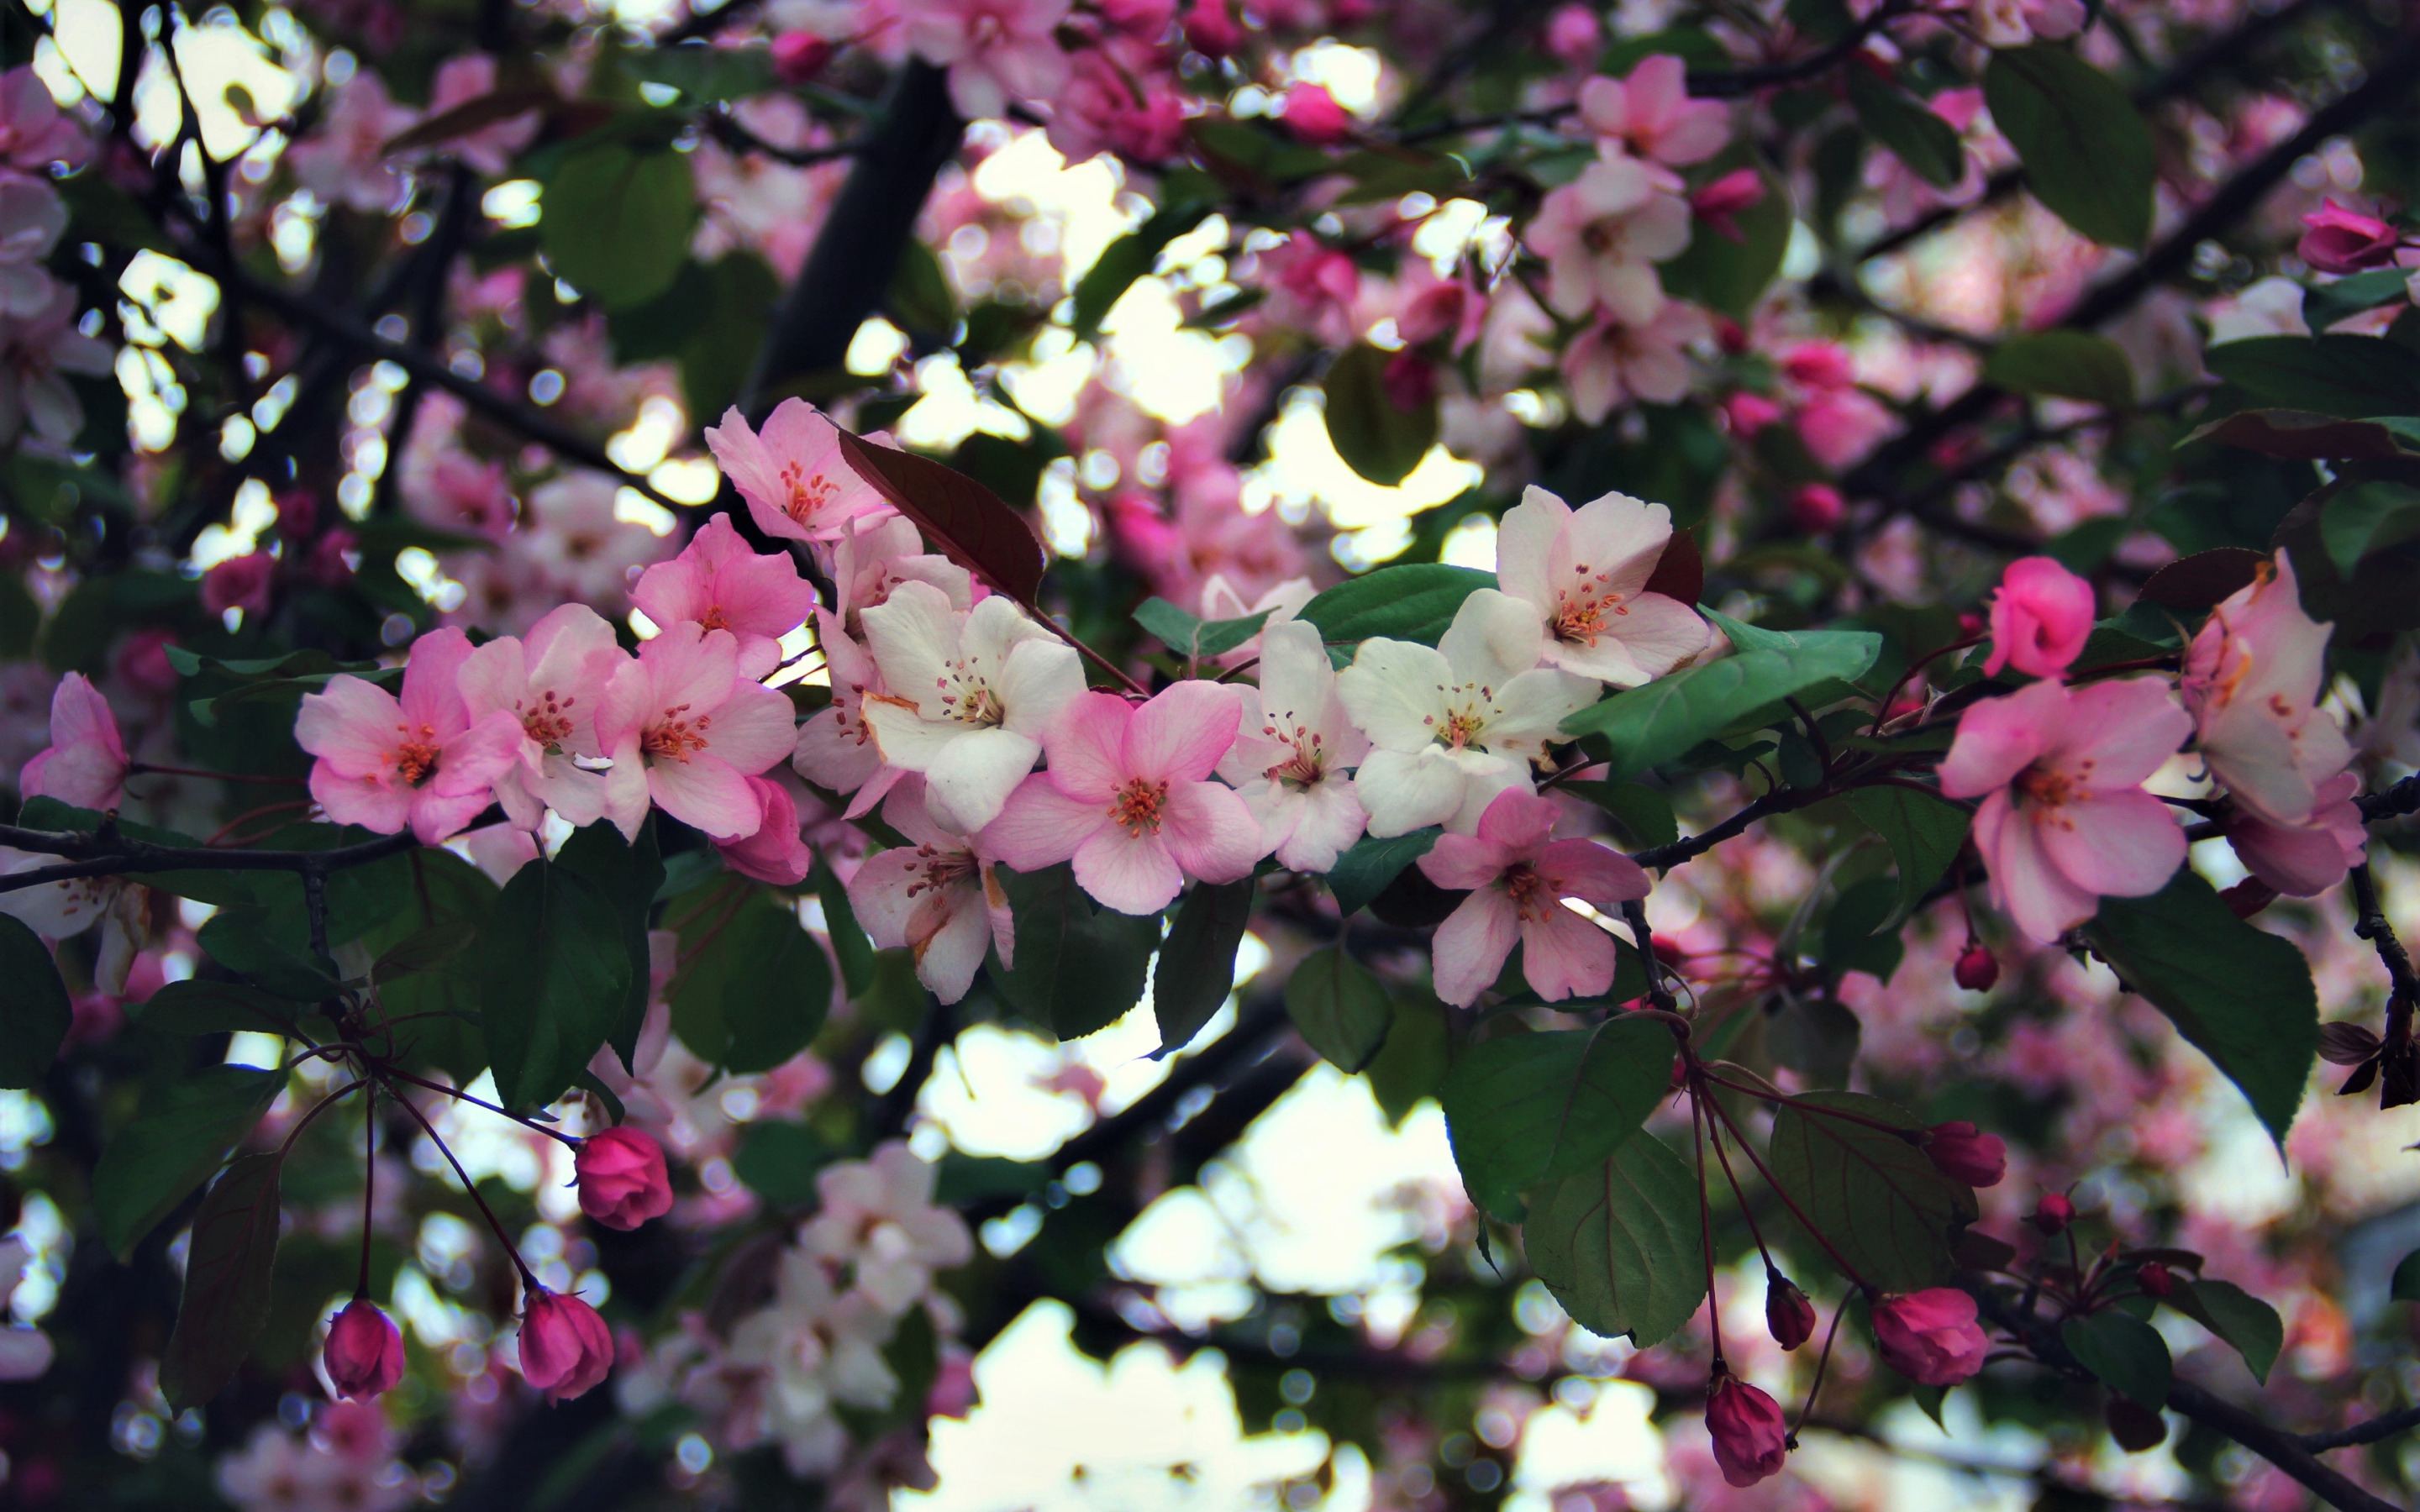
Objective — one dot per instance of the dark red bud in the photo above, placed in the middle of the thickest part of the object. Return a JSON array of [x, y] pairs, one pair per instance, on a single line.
[[2052, 1214], [1410, 381], [799, 56], [1788, 1314], [2155, 1280], [1977, 969], [1817, 507]]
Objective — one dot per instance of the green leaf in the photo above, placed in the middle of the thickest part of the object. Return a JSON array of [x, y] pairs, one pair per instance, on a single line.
[[1376, 439], [2240, 995], [35, 1010], [921, 299], [778, 1159], [1903, 123], [229, 1265], [1190, 637], [2073, 364], [185, 1129], [1363, 872], [2087, 150], [2352, 378], [1196, 961], [552, 976], [754, 987], [240, 940], [1651, 725], [2324, 304], [966, 1179], [615, 222], [851, 946], [1414, 602], [426, 951], [1620, 1247], [1413, 1063], [708, 75], [2127, 1353], [2366, 518], [1728, 276], [2235, 1315], [1645, 815], [1858, 934], [1923, 832], [1339, 1007], [1129, 257], [1525, 1108], [2405, 1287], [196, 1007], [626, 874], [1873, 1194], [436, 1013], [1079, 966]]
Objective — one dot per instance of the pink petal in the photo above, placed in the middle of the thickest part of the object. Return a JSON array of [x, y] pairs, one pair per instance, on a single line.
[[1999, 737], [2121, 844], [1086, 747], [2033, 890], [1518, 823], [2125, 729], [1131, 873], [1470, 946], [431, 692], [1040, 826], [706, 794], [1563, 955], [1462, 862], [360, 800], [1210, 832], [1180, 734], [1600, 876], [877, 893], [755, 729], [350, 725]]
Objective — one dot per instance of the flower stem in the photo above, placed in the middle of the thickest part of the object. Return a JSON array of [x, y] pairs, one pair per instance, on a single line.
[[512, 1252]]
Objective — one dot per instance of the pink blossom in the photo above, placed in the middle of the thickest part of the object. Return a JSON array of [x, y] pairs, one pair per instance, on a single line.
[[686, 731], [774, 851], [1611, 363], [2307, 859], [345, 161], [422, 761], [32, 216], [2253, 678], [1651, 112], [363, 1352], [800, 57], [1127, 798], [877, 553], [1572, 35], [2341, 240], [1584, 573], [490, 149], [1750, 1432], [1118, 98], [996, 51], [2041, 616], [722, 583], [1519, 876], [85, 763], [1600, 235], [835, 748], [1930, 1336], [1817, 507], [141, 662], [2063, 818], [33, 132], [623, 1181], [566, 1349], [1964, 1153], [36, 350], [1293, 749], [1840, 426], [1311, 285], [797, 485], [550, 686], [934, 897], [1313, 114], [1210, 28], [2015, 22], [1720, 201]]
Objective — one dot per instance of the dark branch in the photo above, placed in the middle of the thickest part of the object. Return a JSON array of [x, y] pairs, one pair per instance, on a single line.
[[101, 854], [2287, 1452], [2374, 1431]]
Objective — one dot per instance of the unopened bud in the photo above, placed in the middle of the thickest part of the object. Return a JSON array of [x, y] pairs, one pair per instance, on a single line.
[[799, 56], [2052, 1214], [2155, 1280], [1965, 1154], [1817, 507], [1788, 1314], [1977, 969]]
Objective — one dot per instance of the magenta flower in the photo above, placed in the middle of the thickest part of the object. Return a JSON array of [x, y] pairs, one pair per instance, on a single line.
[[1930, 1336], [1651, 112], [85, 763], [1519, 876], [686, 732], [2339, 240], [2041, 616], [566, 1349], [1963, 1153], [797, 484], [363, 1352], [240, 582], [1313, 114], [1750, 1432], [774, 851], [622, 1178], [421, 760], [2064, 819], [1718, 202], [1128, 800], [722, 583]]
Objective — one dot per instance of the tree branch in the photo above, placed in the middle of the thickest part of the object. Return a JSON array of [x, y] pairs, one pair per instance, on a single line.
[[101, 854], [2376, 1430], [2282, 1449]]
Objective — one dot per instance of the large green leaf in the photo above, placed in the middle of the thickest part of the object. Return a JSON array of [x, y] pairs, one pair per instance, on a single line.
[[2087, 150], [1620, 1246], [240, 940], [2353, 378], [1650, 725], [626, 874], [185, 1129], [1196, 961], [2240, 995], [197, 1006], [1645, 815], [708, 75], [2242, 1319], [2126, 1353], [1192, 637], [229, 1266], [1376, 437], [1927, 143], [1339, 1007], [2366, 518], [1363, 872], [1525, 1108], [2072, 365], [1923, 832], [1414, 602], [35, 1012], [1079, 966], [1871, 1193], [754, 987], [615, 220], [552, 976], [434, 1015]]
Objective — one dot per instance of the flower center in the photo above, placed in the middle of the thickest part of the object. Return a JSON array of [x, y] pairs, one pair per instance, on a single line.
[[1532, 898], [549, 720], [416, 754], [968, 696], [1138, 806], [1581, 607], [2040, 785], [676, 734], [1307, 764], [808, 492], [1468, 709], [940, 868], [714, 620]]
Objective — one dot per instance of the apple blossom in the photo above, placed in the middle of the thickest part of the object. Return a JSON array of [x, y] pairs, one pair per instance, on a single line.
[[1600, 235], [622, 1178], [363, 1352], [85, 763], [722, 583], [1293, 751], [1519, 876], [1964, 1153], [996, 51], [1750, 1434], [1615, 362], [797, 484], [36, 350], [1584, 573], [2253, 678], [1930, 1336], [933, 897], [879, 1218], [773, 851], [836, 746], [423, 760], [31, 219], [686, 732], [551, 684], [1650, 113]]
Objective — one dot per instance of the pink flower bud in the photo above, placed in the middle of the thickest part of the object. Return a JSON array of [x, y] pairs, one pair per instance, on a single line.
[[1571, 34], [142, 661], [2338, 240], [239, 582], [1820, 364], [2040, 618], [1313, 114], [1977, 969], [365, 1352], [799, 56], [1725, 197], [2052, 1214], [1749, 412], [1787, 1315], [297, 511], [331, 559], [622, 1179], [1930, 1336], [1964, 1153], [1410, 381], [1433, 312], [1817, 507], [2155, 1280], [953, 1393], [1750, 1436], [565, 1348], [775, 852], [1210, 29]]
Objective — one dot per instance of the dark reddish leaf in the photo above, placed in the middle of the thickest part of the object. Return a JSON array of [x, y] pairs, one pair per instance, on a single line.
[[228, 1268], [970, 524], [473, 114], [2347, 1045], [2204, 580], [1680, 572], [2293, 433]]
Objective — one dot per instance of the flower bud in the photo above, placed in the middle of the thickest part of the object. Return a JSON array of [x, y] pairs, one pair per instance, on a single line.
[[1724, 198], [2041, 617], [2338, 240], [1977, 969], [2052, 1214], [2155, 1280], [799, 56], [1750, 1437], [1788, 1314], [1313, 114], [1817, 507], [1572, 34], [364, 1352], [565, 1348], [1964, 1153], [1930, 1336], [622, 1179], [240, 582], [1210, 28]]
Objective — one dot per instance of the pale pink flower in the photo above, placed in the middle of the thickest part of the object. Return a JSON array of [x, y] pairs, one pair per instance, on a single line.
[[1612, 362], [996, 51], [722, 583], [85, 761], [2253, 679], [1519, 876], [32, 215], [1573, 34], [878, 1217], [797, 485], [1651, 112], [1127, 798], [57, 910], [2064, 819], [1601, 236], [552, 685], [1118, 98], [33, 132], [879, 552], [933, 896], [686, 731], [2041, 616], [422, 761], [36, 350], [774, 851], [2015, 22], [490, 149], [345, 161], [1583, 573], [1293, 751], [835, 748], [2304, 859]]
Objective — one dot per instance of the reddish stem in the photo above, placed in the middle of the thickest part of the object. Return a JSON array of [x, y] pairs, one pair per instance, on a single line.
[[1706, 1231], [461, 1096], [529, 1277], [1715, 1108]]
